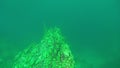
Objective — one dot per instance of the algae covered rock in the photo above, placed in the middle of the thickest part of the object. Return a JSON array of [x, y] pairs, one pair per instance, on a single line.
[[51, 52]]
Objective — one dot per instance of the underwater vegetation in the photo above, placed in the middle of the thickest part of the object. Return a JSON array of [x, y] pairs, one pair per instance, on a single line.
[[51, 52]]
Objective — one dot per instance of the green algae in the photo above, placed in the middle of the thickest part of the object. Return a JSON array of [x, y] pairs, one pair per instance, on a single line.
[[51, 52]]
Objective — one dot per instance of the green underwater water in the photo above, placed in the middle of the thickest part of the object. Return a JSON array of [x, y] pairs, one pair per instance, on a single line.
[[91, 27]]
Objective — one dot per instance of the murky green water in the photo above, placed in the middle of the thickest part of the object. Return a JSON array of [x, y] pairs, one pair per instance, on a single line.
[[91, 27]]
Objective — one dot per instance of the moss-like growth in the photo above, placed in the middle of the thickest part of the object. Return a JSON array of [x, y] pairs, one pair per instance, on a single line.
[[51, 52]]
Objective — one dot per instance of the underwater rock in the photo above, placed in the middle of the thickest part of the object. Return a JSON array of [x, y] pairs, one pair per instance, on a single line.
[[51, 52]]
